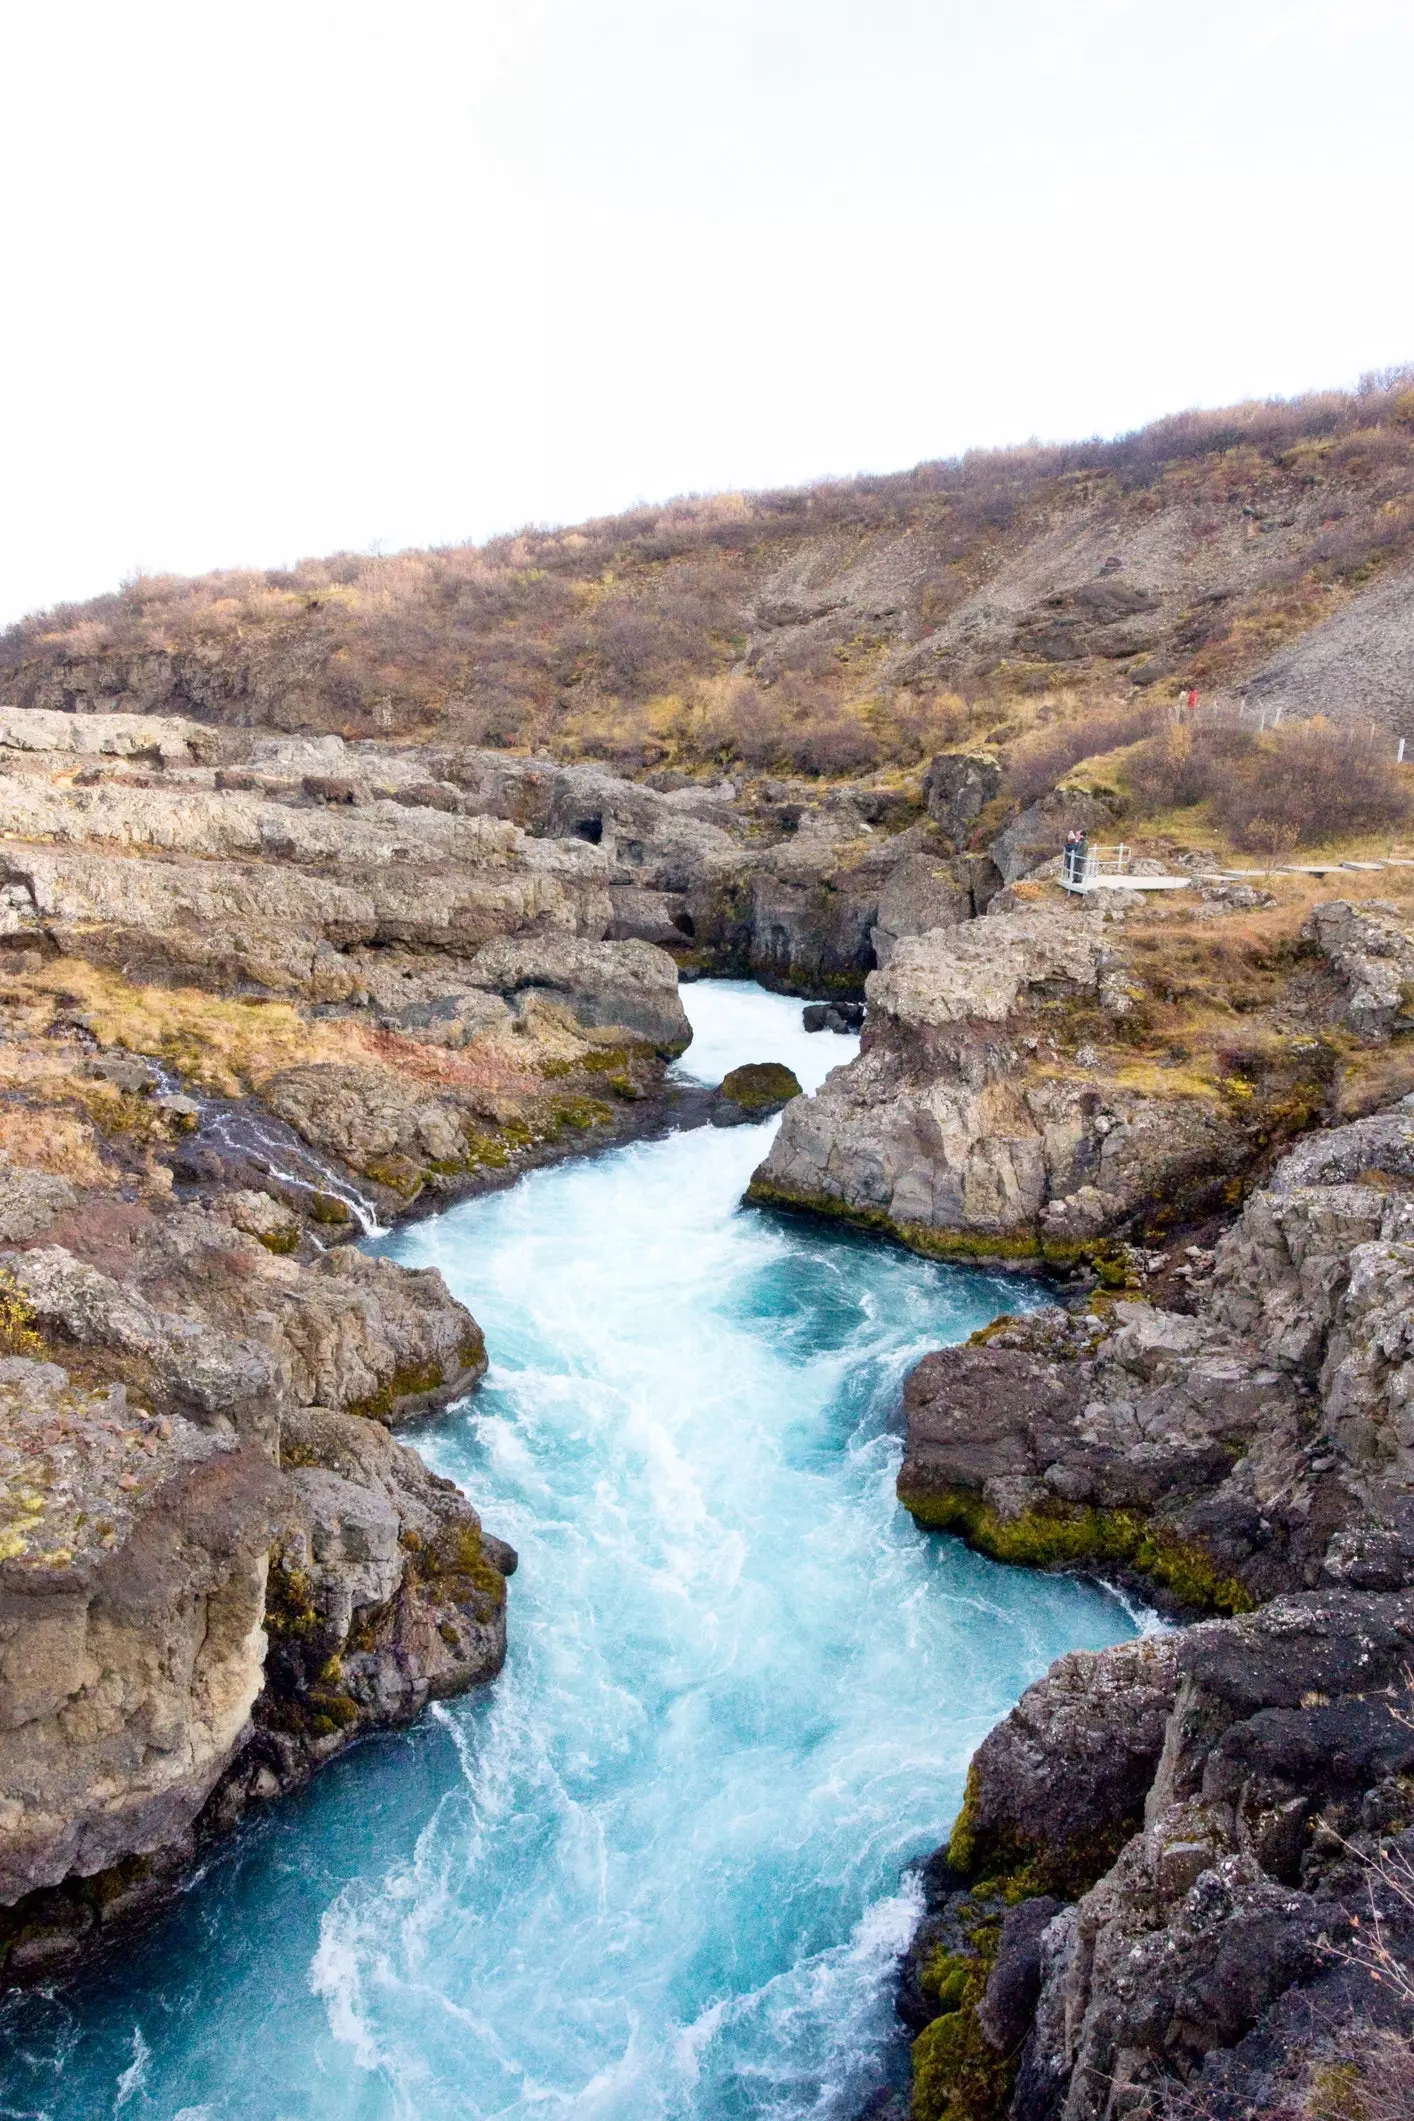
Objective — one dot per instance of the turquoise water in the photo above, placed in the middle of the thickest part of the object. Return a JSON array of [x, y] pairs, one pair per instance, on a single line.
[[653, 1872]]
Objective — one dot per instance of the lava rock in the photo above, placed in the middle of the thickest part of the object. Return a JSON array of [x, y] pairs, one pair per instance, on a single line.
[[1009, 2004], [832, 1016], [754, 1092], [957, 788]]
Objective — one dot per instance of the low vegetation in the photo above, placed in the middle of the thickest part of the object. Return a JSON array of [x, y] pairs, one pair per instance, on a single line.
[[1048, 753], [662, 639], [1306, 785]]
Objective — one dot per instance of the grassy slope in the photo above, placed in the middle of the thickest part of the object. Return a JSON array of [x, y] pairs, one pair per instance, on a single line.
[[812, 631]]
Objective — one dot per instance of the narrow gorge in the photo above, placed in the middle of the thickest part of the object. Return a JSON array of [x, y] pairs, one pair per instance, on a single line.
[[658, 1867], [688, 1431]]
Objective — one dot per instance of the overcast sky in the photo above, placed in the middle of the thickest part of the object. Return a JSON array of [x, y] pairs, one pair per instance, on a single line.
[[285, 278]]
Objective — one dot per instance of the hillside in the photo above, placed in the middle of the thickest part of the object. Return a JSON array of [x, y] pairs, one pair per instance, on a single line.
[[829, 631]]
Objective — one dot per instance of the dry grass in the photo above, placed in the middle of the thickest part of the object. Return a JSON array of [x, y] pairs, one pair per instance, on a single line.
[[1309, 785], [626, 637], [46, 1138], [231, 1048], [222, 1046], [1372, 2081], [1226, 1010]]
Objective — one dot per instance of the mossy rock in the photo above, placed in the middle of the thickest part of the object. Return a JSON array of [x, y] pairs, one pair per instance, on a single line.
[[398, 1173], [327, 1208], [957, 2075], [760, 1088], [413, 1381], [989, 1248], [1058, 1536]]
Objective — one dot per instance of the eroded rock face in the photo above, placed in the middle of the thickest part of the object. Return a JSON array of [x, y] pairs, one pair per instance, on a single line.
[[229, 1330], [1280, 1758], [957, 788], [385, 1594], [210, 1578], [628, 986], [1039, 832], [1251, 1451], [920, 894], [1374, 959], [946, 1131], [135, 1547], [1258, 1446], [1062, 1781], [231, 861]]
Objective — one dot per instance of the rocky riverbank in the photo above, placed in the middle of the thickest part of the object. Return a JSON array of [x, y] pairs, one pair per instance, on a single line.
[[236, 1024], [256, 992], [1153, 1899], [255, 995], [1057, 1074]]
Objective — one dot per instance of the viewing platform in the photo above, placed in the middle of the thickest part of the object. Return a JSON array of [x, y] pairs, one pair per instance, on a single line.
[[1109, 869]]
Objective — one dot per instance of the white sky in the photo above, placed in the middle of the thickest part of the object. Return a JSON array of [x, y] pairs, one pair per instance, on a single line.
[[284, 278]]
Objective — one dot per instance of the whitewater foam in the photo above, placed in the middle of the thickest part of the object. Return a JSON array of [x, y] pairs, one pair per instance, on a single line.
[[653, 1873]]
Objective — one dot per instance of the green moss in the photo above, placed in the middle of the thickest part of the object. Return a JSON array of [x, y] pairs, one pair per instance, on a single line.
[[398, 1173], [962, 1842], [324, 1208], [988, 1333], [1063, 1536], [289, 1607], [944, 1978], [483, 1152], [1006, 1248], [579, 1112], [1005, 1867], [760, 1086], [279, 1241], [19, 1321], [606, 1060], [957, 2075], [317, 1713], [460, 1554], [488, 1149], [413, 1378]]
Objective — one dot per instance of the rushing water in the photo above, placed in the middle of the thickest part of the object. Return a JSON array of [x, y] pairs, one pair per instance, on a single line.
[[653, 1872]]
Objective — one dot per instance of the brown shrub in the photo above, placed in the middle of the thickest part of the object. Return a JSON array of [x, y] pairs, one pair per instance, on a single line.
[[527, 639], [828, 748], [1039, 761], [1181, 766], [1304, 785], [1313, 783]]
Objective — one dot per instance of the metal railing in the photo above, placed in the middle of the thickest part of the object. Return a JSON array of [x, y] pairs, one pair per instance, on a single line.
[[1096, 862]]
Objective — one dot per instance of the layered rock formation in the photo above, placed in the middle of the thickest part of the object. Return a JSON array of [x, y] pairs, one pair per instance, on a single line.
[[210, 1578], [962, 1129], [165, 849]]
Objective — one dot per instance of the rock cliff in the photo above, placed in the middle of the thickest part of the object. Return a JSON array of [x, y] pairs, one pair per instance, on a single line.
[[965, 1127], [210, 1579], [1154, 1892]]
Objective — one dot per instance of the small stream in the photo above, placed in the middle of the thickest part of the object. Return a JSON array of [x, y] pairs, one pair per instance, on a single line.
[[654, 1872]]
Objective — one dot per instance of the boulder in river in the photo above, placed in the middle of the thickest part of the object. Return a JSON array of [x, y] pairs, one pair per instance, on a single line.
[[833, 1016], [753, 1092]]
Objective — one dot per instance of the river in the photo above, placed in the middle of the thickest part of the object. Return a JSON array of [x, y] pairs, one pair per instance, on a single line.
[[653, 1872]]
